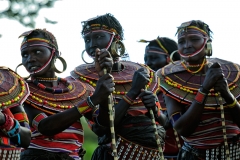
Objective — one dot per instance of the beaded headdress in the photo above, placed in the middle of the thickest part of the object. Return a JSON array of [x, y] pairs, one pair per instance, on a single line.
[[165, 52], [194, 26], [89, 26]]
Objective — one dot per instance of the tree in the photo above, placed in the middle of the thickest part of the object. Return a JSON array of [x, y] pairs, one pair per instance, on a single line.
[[25, 11]]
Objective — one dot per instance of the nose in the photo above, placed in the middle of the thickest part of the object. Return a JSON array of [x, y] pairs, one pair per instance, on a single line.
[[31, 58], [187, 44]]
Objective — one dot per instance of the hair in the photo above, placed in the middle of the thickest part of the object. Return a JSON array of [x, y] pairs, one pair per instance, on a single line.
[[43, 33], [108, 20], [169, 44], [200, 24]]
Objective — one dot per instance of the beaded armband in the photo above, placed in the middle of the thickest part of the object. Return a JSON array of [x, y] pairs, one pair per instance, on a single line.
[[38, 119], [128, 100], [174, 117], [14, 132], [201, 97], [21, 117], [233, 104], [8, 125], [85, 106]]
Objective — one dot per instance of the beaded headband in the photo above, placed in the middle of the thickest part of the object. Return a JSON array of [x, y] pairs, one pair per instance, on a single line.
[[27, 33], [188, 25], [158, 42]]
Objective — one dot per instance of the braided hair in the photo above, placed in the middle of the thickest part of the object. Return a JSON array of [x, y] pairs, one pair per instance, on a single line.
[[169, 44], [108, 20]]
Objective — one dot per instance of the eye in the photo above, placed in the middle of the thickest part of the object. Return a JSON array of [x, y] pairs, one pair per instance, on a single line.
[[99, 36], [86, 40], [37, 52], [24, 55]]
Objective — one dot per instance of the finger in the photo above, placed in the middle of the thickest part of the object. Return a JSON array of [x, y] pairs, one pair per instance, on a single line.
[[143, 92]]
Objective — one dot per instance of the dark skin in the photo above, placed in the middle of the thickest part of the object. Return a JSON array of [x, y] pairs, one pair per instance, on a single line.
[[154, 60], [93, 43], [54, 124], [215, 78], [25, 133]]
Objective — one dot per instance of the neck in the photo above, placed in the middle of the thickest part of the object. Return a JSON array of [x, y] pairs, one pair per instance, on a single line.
[[117, 67]]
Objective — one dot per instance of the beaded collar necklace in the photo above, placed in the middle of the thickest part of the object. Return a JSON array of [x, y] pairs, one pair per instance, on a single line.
[[193, 72], [51, 89]]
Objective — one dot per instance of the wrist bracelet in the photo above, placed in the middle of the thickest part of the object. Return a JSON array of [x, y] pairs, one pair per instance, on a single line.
[[36, 120], [232, 105], [84, 107], [201, 97], [90, 103], [8, 125]]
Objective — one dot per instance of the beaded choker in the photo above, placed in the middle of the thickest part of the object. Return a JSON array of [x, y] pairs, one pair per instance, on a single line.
[[193, 72], [52, 90], [47, 79]]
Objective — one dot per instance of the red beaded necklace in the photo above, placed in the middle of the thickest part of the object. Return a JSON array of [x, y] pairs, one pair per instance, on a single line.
[[52, 90]]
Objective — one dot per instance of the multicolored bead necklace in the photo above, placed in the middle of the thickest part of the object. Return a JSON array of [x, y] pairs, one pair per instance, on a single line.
[[47, 79], [119, 92], [51, 90], [170, 82], [193, 72], [18, 97]]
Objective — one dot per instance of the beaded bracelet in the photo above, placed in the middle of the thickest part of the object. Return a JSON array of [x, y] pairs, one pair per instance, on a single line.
[[232, 105], [128, 100], [14, 132], [8, 125], [84, 107], [90, 103], [36, 120], [201, 97], [174, 117]]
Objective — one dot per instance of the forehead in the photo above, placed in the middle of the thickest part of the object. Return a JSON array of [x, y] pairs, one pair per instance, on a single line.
[[94, 33], [30, 48]]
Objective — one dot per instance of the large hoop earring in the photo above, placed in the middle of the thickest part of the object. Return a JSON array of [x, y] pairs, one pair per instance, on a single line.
[[117, 48], [82, 56], [63, 63], [17, 73], [171, 56], [209, 49]]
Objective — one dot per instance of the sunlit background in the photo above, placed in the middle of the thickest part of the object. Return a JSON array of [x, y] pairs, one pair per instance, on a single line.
[[140, 19]]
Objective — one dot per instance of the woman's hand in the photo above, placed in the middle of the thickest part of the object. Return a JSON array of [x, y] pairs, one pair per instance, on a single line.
[[149, 100], [104, 87], [213, 74], [139, 81], [103, 59]]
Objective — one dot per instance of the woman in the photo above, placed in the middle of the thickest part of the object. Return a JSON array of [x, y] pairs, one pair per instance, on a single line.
[[14, 128], [55, 105], [157, 55], [135, 86], [202, 96]]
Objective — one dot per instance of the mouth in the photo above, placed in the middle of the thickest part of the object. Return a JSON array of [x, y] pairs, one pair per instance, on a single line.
[[33, 68]]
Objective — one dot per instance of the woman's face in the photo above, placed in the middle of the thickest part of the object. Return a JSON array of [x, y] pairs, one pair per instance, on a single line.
[[188, 44], [154, 60], [96, 40], [35, 57]]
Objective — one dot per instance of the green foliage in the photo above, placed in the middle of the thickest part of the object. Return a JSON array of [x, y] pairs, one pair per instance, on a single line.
[[90, 140], [25, 11]]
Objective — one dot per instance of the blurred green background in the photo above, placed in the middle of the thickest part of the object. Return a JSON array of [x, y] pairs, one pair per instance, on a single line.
[[90, 140]]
